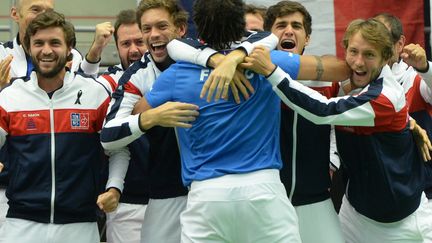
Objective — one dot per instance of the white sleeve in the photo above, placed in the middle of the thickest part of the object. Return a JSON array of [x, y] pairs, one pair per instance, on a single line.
[[132, 124], [117, 168], [194, 52], [426, 91], [266, 39], [311, 103], [181, 51], [427, 76], [334, 155], [88, 68]]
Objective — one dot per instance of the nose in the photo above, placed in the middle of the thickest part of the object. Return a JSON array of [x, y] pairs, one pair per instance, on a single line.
[[133, 48], [359, 60], [289, 30], [46, 50], [154, 33]]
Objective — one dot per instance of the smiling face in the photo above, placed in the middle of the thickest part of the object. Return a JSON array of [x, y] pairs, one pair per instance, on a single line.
[[130, 44], [49, 52], [158, 29], [291, 33], [364, 59]]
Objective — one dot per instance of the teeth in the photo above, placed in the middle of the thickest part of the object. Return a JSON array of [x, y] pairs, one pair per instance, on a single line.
[[158, 44]]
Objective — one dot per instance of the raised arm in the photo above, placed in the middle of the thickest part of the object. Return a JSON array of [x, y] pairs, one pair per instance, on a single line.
[[103, 34], [414, 55]]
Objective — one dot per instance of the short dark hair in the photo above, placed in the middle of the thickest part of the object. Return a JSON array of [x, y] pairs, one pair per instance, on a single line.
[[284, 8], [173, 7], [396, 29], [48, 19], [126, 17], [219, 22], [374, 32], [253, 9]]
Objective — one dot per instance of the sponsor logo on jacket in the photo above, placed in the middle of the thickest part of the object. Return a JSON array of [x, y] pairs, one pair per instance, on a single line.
[[79, 120]]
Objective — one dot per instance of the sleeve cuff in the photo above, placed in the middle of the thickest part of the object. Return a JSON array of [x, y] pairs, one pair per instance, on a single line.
[[116, 184], [135, 127], [247, 46], [278, 76], [204, 56], [426, 75], [90, 68]]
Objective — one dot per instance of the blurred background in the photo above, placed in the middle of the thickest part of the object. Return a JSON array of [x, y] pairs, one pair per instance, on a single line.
[[330, 18]]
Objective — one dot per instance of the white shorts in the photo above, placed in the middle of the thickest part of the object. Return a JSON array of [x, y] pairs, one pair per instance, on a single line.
[[318, 222], [251, 207], [415, 228], [162, 220], [24, 231], [125, 223]]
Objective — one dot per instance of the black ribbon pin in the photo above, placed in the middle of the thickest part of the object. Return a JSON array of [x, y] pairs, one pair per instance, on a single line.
[[78, 98]]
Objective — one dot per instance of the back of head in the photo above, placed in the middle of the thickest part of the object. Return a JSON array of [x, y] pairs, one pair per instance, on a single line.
[[393, 23], [125, 17], [254, 17], [219, 22], [284, 8], [50, 19], [17, 4], [178, 14], [252, 9], [374, 32]]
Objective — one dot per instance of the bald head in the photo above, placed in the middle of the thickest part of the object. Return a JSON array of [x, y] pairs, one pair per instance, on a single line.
[[24, 11], [18, 4]]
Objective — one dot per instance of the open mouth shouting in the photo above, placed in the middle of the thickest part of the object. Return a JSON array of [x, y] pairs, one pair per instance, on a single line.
[[158, 48], [360, 73], [288, 44]]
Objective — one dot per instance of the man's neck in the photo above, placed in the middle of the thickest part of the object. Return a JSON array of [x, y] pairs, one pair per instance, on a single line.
[[165, 64], [53, 83], [20, 41]]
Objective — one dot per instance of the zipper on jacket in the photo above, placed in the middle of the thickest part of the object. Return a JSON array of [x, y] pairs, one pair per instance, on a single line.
[[294, 155], [53, 185]]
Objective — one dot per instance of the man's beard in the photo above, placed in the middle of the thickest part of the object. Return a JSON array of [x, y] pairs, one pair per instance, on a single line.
[[61, 63]]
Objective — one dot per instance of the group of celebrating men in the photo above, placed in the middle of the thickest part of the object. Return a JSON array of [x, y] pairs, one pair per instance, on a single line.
[[213, 140]]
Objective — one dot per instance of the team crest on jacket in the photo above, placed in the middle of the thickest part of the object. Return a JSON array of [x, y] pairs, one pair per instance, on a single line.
[[79, 120]]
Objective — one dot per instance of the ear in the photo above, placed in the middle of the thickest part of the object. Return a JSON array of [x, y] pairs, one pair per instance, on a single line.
[[69, 53], [307, 40], [14, 14], [400, 44], [181, 30]]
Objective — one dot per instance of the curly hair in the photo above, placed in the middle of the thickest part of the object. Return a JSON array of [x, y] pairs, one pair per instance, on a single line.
[[219, 22]]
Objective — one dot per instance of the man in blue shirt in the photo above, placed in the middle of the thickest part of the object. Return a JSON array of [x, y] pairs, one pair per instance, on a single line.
[[230, 155]]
